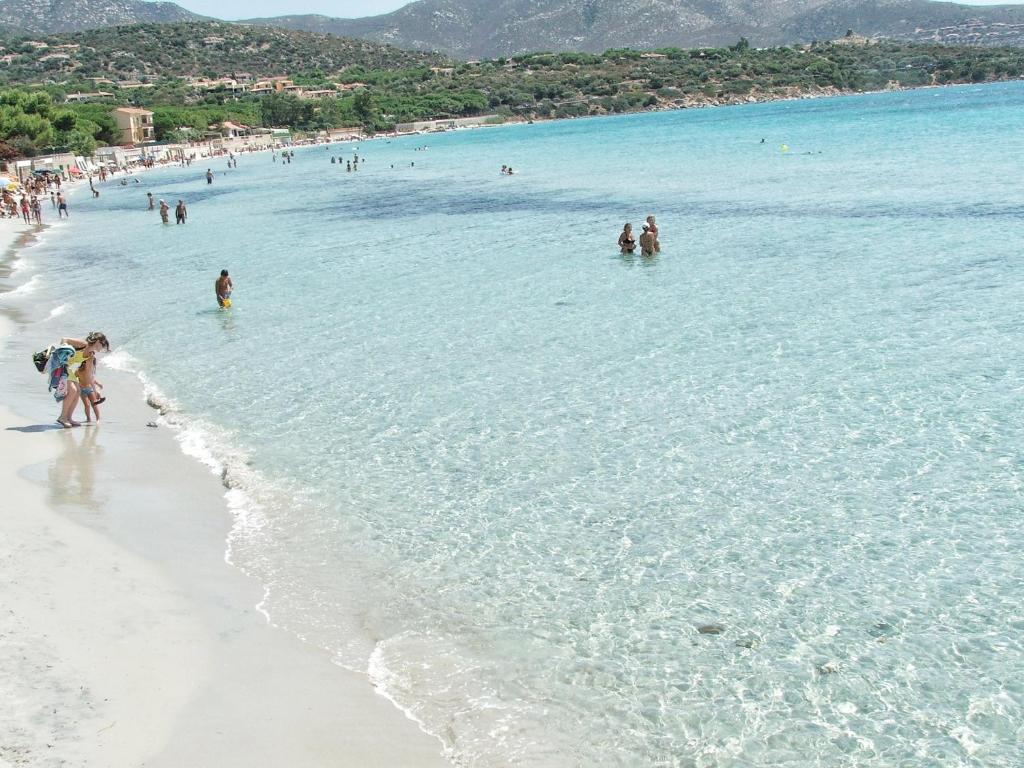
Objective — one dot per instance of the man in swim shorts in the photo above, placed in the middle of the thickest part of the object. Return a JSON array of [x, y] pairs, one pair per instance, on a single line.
[[223, 288]]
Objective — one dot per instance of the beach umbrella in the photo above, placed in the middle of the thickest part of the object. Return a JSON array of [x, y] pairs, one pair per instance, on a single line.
[[6, 181], [76, 171]]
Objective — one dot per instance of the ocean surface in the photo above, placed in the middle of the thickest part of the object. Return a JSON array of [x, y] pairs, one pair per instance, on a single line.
[[512, 474]]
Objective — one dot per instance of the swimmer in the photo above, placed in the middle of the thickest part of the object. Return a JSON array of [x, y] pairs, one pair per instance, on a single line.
[[223, 288], [653, 226], [647, 241], [627, 243]]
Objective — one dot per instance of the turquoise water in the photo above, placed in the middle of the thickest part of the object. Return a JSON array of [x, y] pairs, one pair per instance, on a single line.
[[510, 473]]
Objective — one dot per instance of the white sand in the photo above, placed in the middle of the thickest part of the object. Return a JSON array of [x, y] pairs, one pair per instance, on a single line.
[[125, 639]]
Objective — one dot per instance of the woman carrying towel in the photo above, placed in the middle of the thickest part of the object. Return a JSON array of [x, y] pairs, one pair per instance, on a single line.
[[65, 360]]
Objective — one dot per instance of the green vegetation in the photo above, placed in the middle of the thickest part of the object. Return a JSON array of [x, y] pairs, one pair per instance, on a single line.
[[152, 52], [168, 68], [31, 123]]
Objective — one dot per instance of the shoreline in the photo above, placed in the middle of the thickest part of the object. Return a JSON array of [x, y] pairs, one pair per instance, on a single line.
[[828, 92], [130, 639]]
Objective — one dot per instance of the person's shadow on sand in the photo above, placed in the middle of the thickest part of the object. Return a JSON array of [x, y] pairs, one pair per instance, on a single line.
[[35, 428]]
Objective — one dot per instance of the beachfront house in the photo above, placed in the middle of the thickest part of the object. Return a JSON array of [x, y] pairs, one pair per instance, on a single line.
[[231, 130], [135, 125]]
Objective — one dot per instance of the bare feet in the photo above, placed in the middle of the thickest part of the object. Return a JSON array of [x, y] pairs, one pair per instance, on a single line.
[[66, 423]]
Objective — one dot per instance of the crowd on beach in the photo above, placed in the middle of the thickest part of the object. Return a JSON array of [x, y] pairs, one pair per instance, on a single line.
[[29, 206]]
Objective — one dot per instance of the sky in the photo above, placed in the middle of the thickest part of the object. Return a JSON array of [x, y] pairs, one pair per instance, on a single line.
[[345, 9]]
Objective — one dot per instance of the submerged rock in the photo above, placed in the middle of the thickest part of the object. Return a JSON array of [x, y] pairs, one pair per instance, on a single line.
[[711, 629], [828, 668]]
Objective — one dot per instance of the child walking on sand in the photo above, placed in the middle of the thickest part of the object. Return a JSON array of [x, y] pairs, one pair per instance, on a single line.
[[91, 399]]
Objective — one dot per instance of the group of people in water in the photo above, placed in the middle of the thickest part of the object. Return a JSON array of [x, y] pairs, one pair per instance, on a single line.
[[649, 243], [180, 210]]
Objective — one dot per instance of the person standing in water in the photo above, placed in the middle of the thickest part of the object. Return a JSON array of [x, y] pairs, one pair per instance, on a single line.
[[209, 176], [165, 212], [223, 288], [627, 243], [647, 241], [180, 212], [653, 227], [149, 196]]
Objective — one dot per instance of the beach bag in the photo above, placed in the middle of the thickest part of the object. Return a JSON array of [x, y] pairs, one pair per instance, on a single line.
[[41, 358]]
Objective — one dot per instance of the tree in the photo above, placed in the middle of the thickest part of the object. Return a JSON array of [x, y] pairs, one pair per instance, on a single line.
[[365, 109], [285, 109], [64, 120], [81, 143]]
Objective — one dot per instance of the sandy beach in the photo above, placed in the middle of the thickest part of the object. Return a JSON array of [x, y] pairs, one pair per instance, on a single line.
[[126, 638]]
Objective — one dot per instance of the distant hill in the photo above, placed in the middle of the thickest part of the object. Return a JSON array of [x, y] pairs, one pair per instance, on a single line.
[[475, 29], [150, 52], [49, 16], [918, 20], [490, 28]]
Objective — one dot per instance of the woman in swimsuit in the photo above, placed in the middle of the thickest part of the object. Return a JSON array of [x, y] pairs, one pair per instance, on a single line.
[[84, 350], [626, 241]]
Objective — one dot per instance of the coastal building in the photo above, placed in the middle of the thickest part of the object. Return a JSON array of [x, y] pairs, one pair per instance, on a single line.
[[319, 93], [281, 135], [231, 130], [344, 134], [111, 156], [448, 125], [135, 125], [62, 161], [273, 85], [93, 96]]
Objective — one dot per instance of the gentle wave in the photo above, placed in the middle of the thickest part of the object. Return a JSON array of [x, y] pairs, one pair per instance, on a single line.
[[32, 285], [58, 311]]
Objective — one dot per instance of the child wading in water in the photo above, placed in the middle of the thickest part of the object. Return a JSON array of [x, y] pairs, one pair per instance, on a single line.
[[87, 381]]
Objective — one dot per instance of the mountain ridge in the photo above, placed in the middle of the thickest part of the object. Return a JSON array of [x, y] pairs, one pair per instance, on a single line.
[[485, 29], [478, 29], [55, 16]]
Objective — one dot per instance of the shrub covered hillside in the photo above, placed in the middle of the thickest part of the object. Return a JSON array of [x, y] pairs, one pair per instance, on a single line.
[[177, 71]]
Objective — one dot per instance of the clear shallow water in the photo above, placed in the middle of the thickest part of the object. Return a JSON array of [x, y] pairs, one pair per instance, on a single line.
[[510, 472]]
